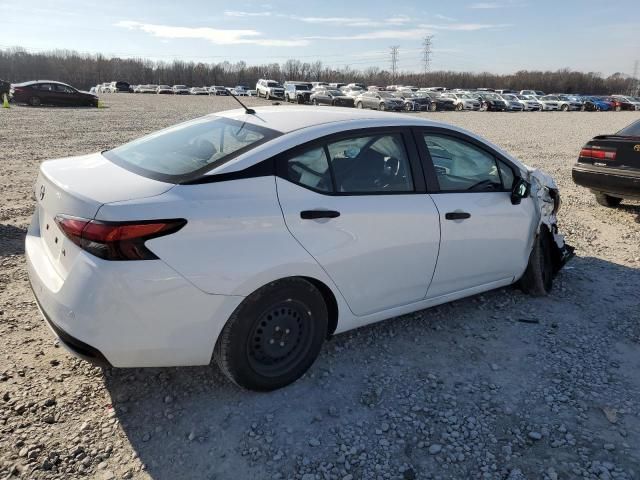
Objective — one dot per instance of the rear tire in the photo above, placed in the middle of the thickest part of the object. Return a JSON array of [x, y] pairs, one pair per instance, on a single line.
[[433, 107], [564, 108], [607, 200], [459, 107], [538, 277], [274, 336], [359, 105]]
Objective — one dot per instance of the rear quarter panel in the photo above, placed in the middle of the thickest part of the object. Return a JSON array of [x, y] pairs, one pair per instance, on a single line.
[[235, 240]]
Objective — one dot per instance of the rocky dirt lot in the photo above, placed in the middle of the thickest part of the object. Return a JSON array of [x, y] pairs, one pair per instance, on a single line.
[[498, 386]]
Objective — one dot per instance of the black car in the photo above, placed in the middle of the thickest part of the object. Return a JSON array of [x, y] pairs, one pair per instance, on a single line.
[[413, 102], [609, 165], [46, 92], [330, 96], [492, 102], [438, 102]]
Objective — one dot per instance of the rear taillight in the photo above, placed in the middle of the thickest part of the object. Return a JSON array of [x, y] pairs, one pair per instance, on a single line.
[[598, 153], [116, 240]]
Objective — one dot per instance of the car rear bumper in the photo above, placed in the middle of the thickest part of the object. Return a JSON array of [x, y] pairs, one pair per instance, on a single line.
[[617, 182], [126, 314]]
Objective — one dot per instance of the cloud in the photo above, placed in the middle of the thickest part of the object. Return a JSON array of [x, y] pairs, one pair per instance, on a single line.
[[319, 20], [466, 27], [414, 33], [236, 13], [213, 35], [444, 17]]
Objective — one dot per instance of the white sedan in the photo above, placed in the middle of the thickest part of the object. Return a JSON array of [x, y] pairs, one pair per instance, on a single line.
[[250, 237]]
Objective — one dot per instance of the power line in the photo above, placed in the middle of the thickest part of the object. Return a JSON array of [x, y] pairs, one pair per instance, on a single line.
[[426, 44], [394, 61]]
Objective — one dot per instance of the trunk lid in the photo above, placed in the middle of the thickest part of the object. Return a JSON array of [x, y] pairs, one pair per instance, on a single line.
[[627, 151], [79, 186]]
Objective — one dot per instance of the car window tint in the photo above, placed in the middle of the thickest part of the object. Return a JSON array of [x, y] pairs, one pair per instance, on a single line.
[[175, 153], [310, 169], [44, 87], [462, 167], [370, 164]]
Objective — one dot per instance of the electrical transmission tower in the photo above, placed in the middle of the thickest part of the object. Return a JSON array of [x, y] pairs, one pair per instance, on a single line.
[[636, 80], [394, 61], [426, 53]]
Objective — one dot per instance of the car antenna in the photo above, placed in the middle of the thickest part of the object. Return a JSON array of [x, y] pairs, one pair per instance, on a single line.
[[247, 110]]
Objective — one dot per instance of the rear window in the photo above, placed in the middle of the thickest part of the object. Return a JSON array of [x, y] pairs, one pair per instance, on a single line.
[[632, 130], [188, 150]]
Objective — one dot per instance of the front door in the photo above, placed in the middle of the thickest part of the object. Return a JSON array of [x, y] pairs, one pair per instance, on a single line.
[[357, 205], [485, 238]]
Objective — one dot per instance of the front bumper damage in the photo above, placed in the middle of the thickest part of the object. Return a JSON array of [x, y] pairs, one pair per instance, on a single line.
[[545, 191]]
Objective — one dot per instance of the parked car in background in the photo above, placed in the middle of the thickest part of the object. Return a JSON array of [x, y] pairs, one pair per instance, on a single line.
[[337, 85], [297, 92], [609, 165], [491, 101], [149, 88], [218, 90], [49, 92], [412, 101], [351, 218], [331, 96], [352, 91], [164, 90], [361, 86], [594, 104], [319, 84], [535, 93], [548, 102], [618, 103], [198, 91], [570, 103], [120, 87], [105, 87], [513, 103], [529, 102], [379, 100], [269, 89], [180, 90], [252, 93], [438, 102], [628, 100], [239, 91], [463, 101]]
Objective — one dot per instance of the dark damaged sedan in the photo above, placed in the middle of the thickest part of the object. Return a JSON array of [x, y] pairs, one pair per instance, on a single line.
[[47, 92], [609, 165]]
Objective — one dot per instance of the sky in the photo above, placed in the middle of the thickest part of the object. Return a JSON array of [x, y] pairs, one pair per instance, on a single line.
[[497, 36]]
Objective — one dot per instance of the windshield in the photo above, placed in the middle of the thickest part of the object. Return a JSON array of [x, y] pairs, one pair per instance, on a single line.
[[301, 87], [466, 95], [185, 151], [385, 95], [180, 86], [632, 130]]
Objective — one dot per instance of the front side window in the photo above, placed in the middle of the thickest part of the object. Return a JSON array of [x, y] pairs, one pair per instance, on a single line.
[[185, 151], [365, 164], [463, 167]]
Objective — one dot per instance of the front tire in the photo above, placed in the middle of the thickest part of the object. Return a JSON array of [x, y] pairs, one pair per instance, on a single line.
[[274, 336], [538, 277], [359, 105], [459, 107], [433, 107], [564, 108], [35, 101], [607, 200]]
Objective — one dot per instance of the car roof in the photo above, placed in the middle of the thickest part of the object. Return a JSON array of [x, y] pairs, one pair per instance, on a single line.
[[302, 124]]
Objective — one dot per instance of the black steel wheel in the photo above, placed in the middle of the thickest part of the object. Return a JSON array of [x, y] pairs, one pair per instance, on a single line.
[[274, 336]]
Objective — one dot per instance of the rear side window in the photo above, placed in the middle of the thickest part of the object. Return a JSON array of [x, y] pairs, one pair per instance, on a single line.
[[186, 151], [356, 165]]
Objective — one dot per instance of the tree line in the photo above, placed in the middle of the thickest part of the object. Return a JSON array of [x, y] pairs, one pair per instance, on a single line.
[[86, 70]]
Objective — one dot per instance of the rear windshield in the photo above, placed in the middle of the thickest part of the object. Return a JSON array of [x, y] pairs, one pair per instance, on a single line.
[[186, 151], [632, 130]]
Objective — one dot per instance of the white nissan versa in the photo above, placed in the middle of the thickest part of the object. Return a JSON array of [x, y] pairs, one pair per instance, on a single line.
[[252, 236]]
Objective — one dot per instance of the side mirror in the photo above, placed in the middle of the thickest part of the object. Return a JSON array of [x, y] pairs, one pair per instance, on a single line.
[[521, 189]]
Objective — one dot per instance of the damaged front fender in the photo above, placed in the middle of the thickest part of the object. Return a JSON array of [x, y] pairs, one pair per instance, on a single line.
[[547, 196]]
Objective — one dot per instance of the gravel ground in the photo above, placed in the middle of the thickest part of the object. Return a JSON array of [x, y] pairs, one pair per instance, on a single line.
[[496, 386]]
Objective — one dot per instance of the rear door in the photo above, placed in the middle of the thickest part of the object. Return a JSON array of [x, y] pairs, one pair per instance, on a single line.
[[484, 237], [357, 203]]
